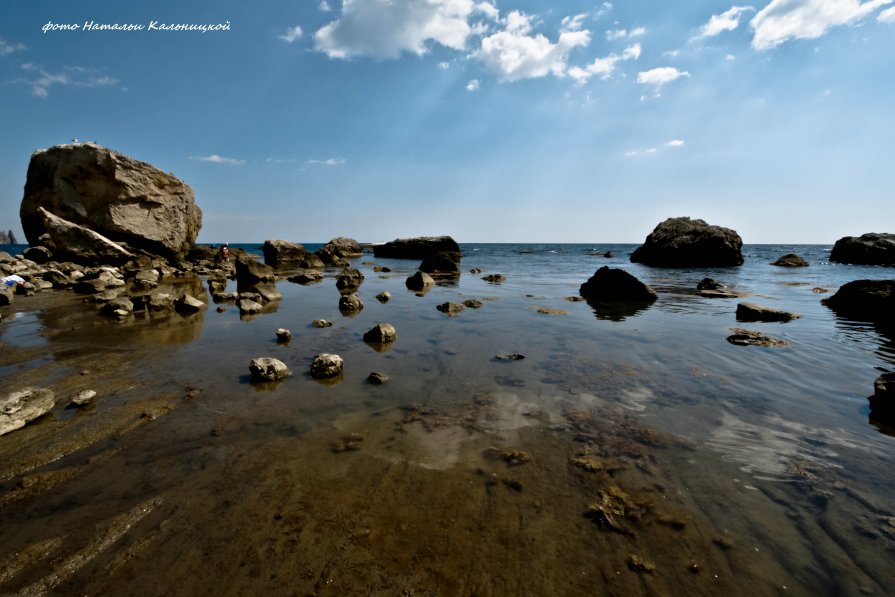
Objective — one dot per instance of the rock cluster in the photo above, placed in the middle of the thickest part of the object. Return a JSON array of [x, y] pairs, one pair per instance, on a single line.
[[682, 242]]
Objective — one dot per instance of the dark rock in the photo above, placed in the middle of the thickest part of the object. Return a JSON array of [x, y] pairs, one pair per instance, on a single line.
[[882, 403], [682, 242], [509, 357], [38, 254], [188, 304], [382, 269], [6, 295], [321, 323], [753, 312], [495, 278], [709, 284], [442, 264], [473, 303], [326, 366], [867, 249], [349, 280], [791, 260], [20, 408], [250, 271], [722, 294], [268, 369], [381, 334], [283, 335], [418, 248], [743, 337], [281, 252], [306, 277], [384, 296], [865, 300], [122, 199], [377, 379], [616, 285], [420, 281], [338, 251], [450, 308]]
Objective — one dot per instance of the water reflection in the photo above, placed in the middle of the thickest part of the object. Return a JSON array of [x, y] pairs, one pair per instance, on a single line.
[[617, 311]]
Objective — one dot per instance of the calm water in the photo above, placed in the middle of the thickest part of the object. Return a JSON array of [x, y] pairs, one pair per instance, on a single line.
[[766, 453]]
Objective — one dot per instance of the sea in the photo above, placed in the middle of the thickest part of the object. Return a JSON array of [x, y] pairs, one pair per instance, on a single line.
[[617, 453]]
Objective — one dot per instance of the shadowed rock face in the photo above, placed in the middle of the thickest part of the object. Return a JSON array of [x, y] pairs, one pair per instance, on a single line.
[[418, 248], [865, 300], [867, 249], [682, 242], [118, 197]]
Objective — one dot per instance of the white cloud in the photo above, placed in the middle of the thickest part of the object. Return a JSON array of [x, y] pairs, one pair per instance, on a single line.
[[328, 162], [444, 65], [604, 66], [615, 34], [675, 143], [324, 6], [293, 34], [572, 23], [386, 28], [726, 21], [7, 48], [514, 53], [730, 57], [783, 20], [887, 16], [216, 159], [660, 76], [604, 9], [472, 85]]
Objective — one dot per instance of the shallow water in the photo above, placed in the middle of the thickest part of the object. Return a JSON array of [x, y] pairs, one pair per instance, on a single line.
[[648, 437]]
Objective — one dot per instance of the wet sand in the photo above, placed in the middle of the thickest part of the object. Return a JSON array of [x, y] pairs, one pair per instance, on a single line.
[[460, 479]]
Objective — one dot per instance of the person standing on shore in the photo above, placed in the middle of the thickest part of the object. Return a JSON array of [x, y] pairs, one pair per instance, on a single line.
[[225, 253]]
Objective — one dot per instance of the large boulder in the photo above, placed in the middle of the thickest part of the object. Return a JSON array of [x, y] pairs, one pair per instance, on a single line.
[[865, 300], [867, 249], [442, 264], [418, 248], [249, 271], [791, 260], [338, 250], [118, 197], [682, 242], [616, 285], [282, 252]]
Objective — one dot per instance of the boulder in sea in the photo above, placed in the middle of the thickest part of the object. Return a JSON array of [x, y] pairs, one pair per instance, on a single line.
[[321, 323], [451, 309], [682, 242], [882, 403], [20, 408], [790, 260], [250, 271], [381, 333], [753, 312], [418, 248], [420, 282], [339, 250], [282, 252], [442, 264], [349, 280], [384, 296], [306, 277], [350, 304], [268, 369], [709, 284], [743, 337], [616, 285], [495, 278], [326, 366], [868, 249], [118, 197], [865, 300], [377, 379], [248, 306]]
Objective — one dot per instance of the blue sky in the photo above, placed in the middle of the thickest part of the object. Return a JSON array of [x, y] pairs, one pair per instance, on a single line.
[[491, 121]]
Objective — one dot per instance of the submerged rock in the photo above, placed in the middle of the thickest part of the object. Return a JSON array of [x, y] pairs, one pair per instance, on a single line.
[[753, 312], [268, 369], [743, 337], [616, 285], [377, 379], [306, 277], [450, 308], [682, 242], [326, 366], [495, 278], [118, 197], [321, 323], [20, 408], [709, 284], [865, 300], [790, 260], [867, 249], [509, 357]]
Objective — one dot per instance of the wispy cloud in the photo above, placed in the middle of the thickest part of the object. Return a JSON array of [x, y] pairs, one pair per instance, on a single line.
[[324, 6], [40, 79], [604, 66], [327, 162], [614, 34], [660, 76], [516, 53], [472, 85], [887, 16], [784, 20], [292, 35], [216, 159], [726, 21], [7, 48], [675, 143]]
